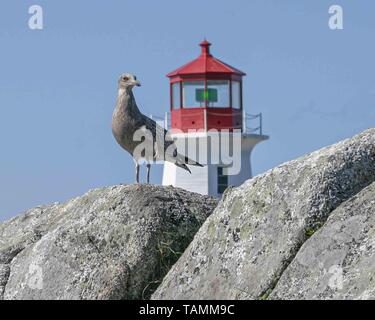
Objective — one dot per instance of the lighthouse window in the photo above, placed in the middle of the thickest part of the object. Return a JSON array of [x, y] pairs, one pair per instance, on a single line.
[[176, 103], [193, 94], [222, 180], [218, 94], [236, 95]]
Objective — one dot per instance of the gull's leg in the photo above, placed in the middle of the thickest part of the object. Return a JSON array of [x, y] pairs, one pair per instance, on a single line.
[[148, 172], [137, 172]]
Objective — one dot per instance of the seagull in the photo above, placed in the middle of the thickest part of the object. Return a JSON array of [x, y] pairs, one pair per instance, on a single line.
[[128, 122]]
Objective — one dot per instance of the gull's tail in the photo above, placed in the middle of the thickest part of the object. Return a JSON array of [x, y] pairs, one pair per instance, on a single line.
[[192, 162], [182, 161], [183, 166]]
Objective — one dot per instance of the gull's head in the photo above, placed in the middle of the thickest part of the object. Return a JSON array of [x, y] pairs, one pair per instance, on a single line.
[[128, 81]]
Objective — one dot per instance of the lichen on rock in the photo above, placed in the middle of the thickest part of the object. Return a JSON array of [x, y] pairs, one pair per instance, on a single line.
[[243, 248], [111, 243], [338, 261]]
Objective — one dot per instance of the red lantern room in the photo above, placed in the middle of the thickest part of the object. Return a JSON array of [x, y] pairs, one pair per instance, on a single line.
[[206, 93]]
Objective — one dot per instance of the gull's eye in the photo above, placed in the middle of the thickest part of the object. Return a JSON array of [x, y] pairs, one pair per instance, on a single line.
[[125, 78]]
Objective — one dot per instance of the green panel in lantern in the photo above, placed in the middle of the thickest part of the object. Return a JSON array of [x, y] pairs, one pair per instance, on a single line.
[[209, 95]]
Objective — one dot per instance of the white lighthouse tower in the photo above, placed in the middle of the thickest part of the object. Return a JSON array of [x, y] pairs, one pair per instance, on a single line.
[[208, 121]]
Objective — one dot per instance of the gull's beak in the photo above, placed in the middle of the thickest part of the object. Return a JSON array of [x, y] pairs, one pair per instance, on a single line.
[[137, 83]]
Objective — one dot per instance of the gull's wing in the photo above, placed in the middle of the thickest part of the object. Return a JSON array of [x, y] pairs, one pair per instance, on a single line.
[[171, 154], [160, 136]]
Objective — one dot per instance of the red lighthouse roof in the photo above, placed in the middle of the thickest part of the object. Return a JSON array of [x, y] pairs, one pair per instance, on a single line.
[[204, 64]]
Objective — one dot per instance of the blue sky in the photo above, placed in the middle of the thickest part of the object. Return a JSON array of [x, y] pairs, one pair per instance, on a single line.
[[58, 85]]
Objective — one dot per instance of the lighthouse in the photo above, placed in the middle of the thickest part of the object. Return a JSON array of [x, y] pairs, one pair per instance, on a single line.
[[208, 121]]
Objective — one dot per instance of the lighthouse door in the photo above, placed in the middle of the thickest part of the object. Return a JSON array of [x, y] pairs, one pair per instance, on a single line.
[[222, 180]]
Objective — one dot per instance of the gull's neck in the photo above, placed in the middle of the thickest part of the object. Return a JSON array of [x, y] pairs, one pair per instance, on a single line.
[[126, 101]]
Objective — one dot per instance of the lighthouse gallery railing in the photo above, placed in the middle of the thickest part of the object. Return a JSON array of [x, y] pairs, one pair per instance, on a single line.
[[251, 123]]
